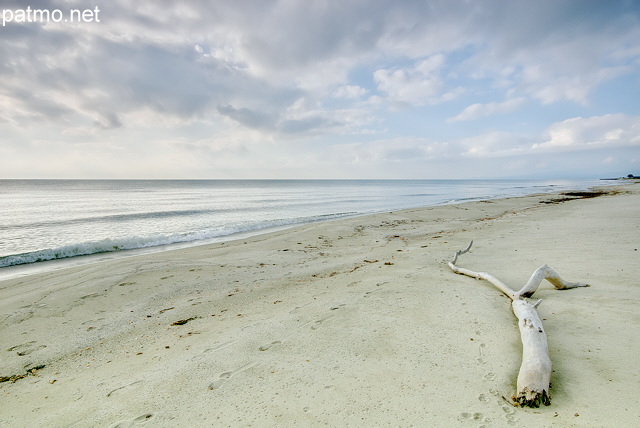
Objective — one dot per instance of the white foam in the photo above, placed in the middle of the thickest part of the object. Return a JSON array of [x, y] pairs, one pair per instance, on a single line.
[[136, 242]]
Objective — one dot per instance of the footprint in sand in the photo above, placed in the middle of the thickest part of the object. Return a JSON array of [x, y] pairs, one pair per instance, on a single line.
[[509, 414], [26, 348], [91, 296], [268, 346], [316, 325], [217, 347], [466, 416], [480, 359], [124, 284], [123, 387], [140, 420], [216, 384], [220, 346], [369, 293], [297, 308]]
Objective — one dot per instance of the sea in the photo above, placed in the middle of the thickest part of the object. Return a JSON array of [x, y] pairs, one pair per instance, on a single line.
[[49, 220]]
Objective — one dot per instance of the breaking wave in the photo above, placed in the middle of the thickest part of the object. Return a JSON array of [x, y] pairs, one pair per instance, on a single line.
[[136, 242]]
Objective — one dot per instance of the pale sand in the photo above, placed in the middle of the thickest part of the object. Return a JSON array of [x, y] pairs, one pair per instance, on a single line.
[[356, 322]]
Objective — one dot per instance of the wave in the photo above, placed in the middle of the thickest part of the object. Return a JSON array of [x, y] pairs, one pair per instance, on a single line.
[[136, 242], [114, 218]]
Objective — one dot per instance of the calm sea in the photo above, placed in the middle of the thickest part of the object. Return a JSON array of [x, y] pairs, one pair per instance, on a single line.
[[54, 219]]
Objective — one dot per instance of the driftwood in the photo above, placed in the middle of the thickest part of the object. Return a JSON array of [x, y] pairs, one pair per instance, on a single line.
[[535, 371]]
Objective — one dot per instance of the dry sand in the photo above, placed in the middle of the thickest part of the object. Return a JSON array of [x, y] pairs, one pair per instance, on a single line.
[[355, 322]]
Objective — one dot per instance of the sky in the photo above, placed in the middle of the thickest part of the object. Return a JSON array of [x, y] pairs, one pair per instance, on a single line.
[[405, 89]]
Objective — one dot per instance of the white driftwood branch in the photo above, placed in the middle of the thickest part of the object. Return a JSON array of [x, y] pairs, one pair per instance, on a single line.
[[545, 272], [535, 372], [480, 275]]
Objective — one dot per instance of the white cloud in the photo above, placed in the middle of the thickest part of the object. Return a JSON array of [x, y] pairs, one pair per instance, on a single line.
[[548, 87], [494, 144], [562, 62], [396, 150], [477, 111], [418, 85], [351, 92], [608, 131]]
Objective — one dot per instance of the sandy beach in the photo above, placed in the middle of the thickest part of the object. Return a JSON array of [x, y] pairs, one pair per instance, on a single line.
[[350, 323]]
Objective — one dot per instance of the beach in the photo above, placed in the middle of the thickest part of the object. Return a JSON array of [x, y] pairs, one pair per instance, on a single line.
[[354, 322]]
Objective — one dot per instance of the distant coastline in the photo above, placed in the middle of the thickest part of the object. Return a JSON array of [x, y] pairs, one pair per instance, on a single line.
[[628, 177]]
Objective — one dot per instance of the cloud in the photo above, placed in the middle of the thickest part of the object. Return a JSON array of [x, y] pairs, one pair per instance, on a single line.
[[608, 132], [559, 51], [350, 91], [396, 150], [185, 60], [477, 111], [292, 126], [494, 144], [81, 81], [597, 132], [549, 87], [251, 118], [321, 74], [417, 85], [295, 120]]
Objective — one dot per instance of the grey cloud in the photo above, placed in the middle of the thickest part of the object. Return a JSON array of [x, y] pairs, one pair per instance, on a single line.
[[109, 120], [309, 33], [271, 121], [31, 106], [553, 51], [142, 56], [165, 80], [248, 117], [294, 126]]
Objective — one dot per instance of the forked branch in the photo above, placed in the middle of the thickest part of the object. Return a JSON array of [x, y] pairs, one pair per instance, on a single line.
[[480, 275], [535, 372]]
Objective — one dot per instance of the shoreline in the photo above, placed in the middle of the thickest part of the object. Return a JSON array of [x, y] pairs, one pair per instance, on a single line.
[[29, 268], [353, 322]]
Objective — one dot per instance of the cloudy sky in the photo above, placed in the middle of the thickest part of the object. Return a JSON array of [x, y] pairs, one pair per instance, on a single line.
[[322, 89]]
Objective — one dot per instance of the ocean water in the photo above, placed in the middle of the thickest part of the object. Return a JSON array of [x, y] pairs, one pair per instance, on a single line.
[[44, 220]]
